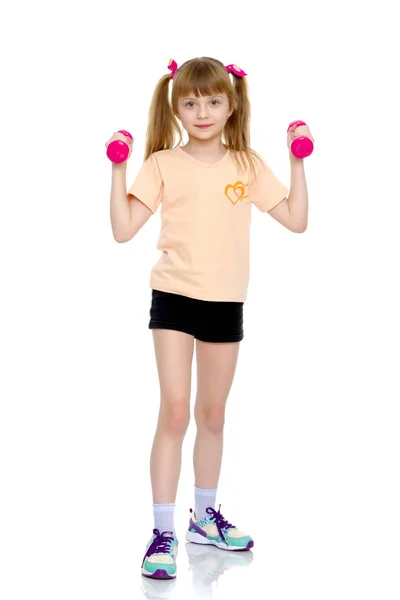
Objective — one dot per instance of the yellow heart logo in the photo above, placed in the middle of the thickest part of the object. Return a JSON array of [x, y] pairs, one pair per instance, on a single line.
[[236, 192]]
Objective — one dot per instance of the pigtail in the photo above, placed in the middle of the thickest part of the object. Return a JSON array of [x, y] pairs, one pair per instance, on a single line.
[[162, 124], [237, 128], [239, 122]]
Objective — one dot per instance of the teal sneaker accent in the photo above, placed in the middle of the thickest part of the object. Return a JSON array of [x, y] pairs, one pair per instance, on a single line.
[[242, 542]]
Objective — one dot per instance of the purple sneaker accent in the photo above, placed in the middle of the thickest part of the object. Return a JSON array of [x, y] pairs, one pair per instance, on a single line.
[[159, 574], [249, 545], [197, 529], [161, 543]]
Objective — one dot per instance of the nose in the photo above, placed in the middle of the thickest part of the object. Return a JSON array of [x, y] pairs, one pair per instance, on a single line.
[[202, 112]]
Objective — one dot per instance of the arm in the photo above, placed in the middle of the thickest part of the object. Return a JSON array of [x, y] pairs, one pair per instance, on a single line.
[[128, 214], [292, 212]]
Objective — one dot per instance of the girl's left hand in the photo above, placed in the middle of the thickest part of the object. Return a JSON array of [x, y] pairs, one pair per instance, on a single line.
[[295, 132]]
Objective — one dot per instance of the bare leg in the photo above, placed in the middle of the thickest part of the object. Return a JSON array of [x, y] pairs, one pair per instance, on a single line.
[[174, 354], [216, 366]]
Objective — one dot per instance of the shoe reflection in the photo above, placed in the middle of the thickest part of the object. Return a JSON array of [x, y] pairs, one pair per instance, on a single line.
[[208, 563], [157, 589]]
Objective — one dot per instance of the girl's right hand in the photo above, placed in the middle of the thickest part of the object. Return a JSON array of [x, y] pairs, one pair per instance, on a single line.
[[124, 138]]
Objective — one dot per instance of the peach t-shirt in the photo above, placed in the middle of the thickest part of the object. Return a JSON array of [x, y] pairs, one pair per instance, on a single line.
[[205, 221]]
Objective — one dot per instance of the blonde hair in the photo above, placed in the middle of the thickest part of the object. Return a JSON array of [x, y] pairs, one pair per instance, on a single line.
[[204, 77]]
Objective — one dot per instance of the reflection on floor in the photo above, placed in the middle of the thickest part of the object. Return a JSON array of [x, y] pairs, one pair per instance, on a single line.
[[207, 564]]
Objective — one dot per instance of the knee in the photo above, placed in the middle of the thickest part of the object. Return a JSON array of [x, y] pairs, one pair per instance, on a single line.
[[175, 416], [211, 418]]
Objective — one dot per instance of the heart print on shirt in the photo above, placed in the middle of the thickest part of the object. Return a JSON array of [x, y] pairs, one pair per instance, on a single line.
[[236, 192]]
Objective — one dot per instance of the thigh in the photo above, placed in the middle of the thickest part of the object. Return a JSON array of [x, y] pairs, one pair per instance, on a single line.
[[216, 366], [174, 355]]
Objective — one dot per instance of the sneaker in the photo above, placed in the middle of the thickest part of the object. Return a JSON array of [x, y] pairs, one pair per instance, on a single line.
[[159, 561], [216, 530]]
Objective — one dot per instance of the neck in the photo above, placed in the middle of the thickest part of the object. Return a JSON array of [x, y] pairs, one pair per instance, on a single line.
[[212, 147]]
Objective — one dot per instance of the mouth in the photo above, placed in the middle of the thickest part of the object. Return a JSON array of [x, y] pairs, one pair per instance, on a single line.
[[203, 126]]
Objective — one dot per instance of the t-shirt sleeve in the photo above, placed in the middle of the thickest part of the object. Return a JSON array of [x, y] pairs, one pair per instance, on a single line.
[[266, 190], [148, 185]]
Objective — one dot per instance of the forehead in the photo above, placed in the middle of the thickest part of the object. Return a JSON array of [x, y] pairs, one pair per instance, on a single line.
[[192, 95]]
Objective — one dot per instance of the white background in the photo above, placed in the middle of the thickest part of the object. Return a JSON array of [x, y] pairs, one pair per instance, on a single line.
[[315, 478]]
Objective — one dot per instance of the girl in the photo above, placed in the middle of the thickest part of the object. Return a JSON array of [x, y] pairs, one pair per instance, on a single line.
[[199, 284]]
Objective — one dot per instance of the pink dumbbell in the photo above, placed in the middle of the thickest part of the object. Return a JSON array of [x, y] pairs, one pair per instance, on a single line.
[[302, 146], [117, 150]]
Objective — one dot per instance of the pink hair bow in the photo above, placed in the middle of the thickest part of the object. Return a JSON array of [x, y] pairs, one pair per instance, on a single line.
[[173, 67], [236, 70]]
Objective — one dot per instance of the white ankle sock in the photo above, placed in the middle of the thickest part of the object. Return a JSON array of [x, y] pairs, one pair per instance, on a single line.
[[164, 517], [203, 499]]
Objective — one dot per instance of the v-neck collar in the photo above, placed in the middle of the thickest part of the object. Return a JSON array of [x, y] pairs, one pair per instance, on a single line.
[[200, 162]]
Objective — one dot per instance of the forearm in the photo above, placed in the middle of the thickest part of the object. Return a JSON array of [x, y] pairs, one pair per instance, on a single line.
[[120, 210], [298, 196]]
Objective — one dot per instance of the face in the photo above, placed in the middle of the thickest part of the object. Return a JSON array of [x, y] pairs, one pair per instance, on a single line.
[[204, 117]]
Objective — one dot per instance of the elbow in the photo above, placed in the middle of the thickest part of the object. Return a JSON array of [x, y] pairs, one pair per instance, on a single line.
[[122, 234], [121, 237], [300, 228], [122, 240]]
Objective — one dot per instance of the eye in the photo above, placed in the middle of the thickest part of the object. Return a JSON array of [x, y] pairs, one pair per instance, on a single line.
[[187, 103], [217, 101]]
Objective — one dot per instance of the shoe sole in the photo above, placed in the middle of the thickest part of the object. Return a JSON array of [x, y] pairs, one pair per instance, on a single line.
[[196, 538], [159, 574]]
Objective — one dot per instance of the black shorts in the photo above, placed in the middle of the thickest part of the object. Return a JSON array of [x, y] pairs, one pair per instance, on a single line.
[[206, 320]]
